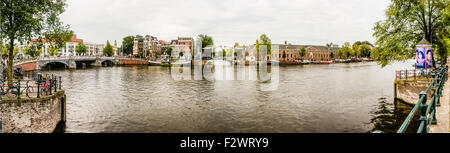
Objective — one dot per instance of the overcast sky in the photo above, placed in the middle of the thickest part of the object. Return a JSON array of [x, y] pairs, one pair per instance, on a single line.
[[314, 22]]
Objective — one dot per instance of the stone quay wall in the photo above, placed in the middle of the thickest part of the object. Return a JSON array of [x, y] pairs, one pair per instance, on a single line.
[[408, 90], [34, 115], [133, 62]]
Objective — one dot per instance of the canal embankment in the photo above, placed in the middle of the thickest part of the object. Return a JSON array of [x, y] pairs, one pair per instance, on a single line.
[[32, 105], [408, 91], [33, 115]]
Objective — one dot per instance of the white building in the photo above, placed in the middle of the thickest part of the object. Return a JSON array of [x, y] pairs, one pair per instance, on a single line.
[[68, 50], [94, 49]]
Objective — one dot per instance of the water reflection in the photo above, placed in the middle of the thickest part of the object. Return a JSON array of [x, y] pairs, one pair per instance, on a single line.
[[388, 116]]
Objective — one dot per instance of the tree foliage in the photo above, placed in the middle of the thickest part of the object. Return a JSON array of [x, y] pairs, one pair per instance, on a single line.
[[22, 20], [127, 45], [345, 51], [406, 24], [32, 50], [81, 48], [108, 50], [355, 50], [53, 50], [5, 51], [264, 40], [206, 40], [302, 52], [181, 54], [169, 51], [364, 50]]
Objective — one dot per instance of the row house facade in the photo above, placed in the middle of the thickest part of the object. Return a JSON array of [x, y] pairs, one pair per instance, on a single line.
[[138, 45], [183, 44], [148, 45]]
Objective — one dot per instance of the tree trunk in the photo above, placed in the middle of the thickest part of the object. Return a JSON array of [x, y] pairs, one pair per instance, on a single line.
[[10, 61]]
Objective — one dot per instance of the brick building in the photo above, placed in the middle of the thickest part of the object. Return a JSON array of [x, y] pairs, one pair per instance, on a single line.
[[288, 52]]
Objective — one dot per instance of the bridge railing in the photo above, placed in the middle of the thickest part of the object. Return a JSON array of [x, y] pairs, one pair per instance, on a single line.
[[42, 85], [427, 112]]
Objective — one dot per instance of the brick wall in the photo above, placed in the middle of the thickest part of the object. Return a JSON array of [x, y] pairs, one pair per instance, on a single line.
[[133, 62], [29, 66]]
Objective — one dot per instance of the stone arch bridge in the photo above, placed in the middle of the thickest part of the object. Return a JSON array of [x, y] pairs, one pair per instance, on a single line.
[[72, 62]]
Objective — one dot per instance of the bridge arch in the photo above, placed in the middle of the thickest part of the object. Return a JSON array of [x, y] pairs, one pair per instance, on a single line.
[[107, 63], [54, 64]]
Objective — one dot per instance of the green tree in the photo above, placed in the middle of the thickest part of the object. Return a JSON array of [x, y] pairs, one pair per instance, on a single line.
[[5, 51], [331, 55], [181, 54], [340, 53], [108, 50], [32, 50], [263, 40], [364, 50], [81, 49], [53, 50], [127, 45], [346, 50], [23, 19], [406, 24], [302, 52], [355, 50], [169, 51], [206, 41], [377, 53]]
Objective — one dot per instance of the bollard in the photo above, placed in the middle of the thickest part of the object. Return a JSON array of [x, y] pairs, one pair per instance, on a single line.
[[60, 82], [56, 84], [38, 87], [18, 89], [50, 89]]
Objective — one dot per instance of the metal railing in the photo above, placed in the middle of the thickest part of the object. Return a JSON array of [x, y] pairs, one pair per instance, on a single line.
[[41, 85], [427, 112], [412, 74]]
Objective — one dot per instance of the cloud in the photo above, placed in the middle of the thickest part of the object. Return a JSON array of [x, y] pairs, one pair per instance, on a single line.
[[228, 21]]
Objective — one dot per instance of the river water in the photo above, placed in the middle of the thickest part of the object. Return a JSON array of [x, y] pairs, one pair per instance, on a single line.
[[354, 97]]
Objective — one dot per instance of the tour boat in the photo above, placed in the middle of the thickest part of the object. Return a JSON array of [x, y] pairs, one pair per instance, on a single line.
[[328, 62]]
